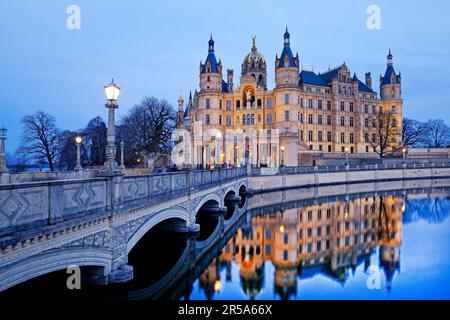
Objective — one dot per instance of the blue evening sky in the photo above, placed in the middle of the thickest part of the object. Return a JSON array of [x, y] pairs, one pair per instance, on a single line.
[[154, 48]]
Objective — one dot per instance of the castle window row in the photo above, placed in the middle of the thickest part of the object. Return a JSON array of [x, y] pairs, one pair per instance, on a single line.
[[310, 104]]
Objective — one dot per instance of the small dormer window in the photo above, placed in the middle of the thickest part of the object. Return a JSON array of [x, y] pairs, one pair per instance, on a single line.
[[208, 69]]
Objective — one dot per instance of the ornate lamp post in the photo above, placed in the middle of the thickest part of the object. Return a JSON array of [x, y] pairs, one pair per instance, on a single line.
[[78, 141], [282, 156], [111, 167], [122, 162], [3, 132]]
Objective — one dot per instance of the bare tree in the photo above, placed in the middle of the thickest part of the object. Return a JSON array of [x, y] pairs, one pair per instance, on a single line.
[[147, 129], [437, 134], [383, 133], [95, 141], [67, 150], [413, 132], [39, 138]]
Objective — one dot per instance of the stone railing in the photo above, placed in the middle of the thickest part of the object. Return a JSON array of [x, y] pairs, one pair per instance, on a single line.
[[27, 205], [155, 188], [26, 208], [24, 177], [367, 167]]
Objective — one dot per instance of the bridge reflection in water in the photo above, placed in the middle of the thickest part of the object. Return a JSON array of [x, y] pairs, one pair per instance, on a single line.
[[265, 248]]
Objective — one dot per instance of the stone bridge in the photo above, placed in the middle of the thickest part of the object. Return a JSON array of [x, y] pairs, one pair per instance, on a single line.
[[94, 223]]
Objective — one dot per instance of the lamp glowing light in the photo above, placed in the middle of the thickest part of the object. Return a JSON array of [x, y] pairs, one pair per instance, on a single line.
[[217, 285], [112, 91]]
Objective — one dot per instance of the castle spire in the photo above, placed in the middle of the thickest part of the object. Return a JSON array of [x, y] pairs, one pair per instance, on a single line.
[[180, 103], [287, 37], [211, 44], [389, 58]]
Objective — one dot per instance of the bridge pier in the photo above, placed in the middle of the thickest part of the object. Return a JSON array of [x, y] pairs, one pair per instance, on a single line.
[[194, 227], [123, 274]]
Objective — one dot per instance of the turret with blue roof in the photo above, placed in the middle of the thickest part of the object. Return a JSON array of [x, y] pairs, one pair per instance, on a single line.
[[211, 60], [287, 66], [286, 59], [390, 83], [390, 77], [211, 71]]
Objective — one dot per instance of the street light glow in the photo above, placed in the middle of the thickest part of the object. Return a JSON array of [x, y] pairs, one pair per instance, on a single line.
[[78, 139], [112, 91]]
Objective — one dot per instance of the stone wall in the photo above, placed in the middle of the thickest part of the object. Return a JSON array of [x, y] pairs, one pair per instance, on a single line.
[[266, 183]]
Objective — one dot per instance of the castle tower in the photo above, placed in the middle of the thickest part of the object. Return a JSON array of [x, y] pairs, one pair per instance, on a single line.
[[180, 113], [286, 92], [254, 64], [287, 66], [390, 83], [230, 80], [390, 95], [211, 71]]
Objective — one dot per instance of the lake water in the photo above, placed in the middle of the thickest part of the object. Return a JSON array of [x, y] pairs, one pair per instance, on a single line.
[[369, 246], [376, 247]]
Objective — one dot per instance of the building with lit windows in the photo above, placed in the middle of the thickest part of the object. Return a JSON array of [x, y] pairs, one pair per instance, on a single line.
[[316, 113]]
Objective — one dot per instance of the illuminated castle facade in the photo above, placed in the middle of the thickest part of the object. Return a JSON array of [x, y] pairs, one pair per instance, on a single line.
[[315, 113]]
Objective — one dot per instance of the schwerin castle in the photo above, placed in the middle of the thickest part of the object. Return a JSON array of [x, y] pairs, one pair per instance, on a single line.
[[326, 113]]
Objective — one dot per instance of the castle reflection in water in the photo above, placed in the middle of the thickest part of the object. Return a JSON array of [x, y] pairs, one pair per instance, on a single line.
[[327, 238]]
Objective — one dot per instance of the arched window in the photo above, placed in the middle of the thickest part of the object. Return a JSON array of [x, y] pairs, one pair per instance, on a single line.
[[259, 103], [207, 119], [220, 120], [238, 104], [253, 119], [244, 119]]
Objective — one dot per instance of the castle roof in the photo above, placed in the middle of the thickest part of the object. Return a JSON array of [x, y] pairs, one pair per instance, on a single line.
[[390, 77], [224, 86], [388, 74], [254, 55], [309, 77], [362, 87], [286, 54], [211, 58]]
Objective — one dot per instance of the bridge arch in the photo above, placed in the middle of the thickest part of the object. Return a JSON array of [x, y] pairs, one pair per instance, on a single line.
[[160, 216], [54, 260], [243, 194], [229, 189], [212, 197]]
